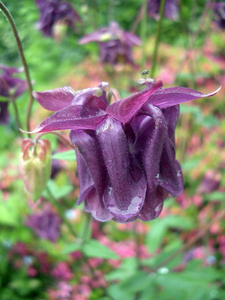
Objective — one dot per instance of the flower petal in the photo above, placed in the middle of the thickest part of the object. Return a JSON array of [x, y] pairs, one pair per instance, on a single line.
[[124, 196], [171, 115], [69, 118], [92, 175], [125, 109], [55, 99], [154, 145], [170, 174], [176, 95], [153, 204]]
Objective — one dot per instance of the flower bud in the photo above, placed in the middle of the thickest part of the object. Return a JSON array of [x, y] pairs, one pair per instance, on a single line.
[[35, 166]]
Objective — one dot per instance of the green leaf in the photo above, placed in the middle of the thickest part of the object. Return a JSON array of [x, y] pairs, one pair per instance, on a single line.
[[56, 191], [191, 163], [69, 248], [117, 292], [136, 282], [127, 268], [93, 248], [216, 196], [4, 99], [67, 155], [156, 235]]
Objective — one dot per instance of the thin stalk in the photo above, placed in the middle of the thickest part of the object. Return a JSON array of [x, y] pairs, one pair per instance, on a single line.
[[85, 236], [16, 114], [60, 211], [157, 39], [20, 48], [59, 135], [143, 33]]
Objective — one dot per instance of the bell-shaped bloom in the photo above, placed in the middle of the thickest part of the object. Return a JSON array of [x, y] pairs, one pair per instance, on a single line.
[[219, 12], [53, 12], [115, 44], [125, 151], [10, 88], [171, 10]]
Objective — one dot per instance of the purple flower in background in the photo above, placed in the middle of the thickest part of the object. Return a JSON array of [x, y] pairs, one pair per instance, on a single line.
[[114, 44], [54, 11], [170, 10], [46, 224], [125, 151], [219, 11], [10, 89]]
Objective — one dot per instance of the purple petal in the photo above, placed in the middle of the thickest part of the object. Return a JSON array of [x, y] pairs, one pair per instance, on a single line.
[[154, 146], [70, 118], [170, 174], [55, 99], [124, 196], [125, 109], [153, 204], [172, 96], [88, 98], [88, 191], [171, 115]]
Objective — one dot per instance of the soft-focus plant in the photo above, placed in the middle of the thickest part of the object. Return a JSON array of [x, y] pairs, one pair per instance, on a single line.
[[171, 9], [10, 88], [115, 44]]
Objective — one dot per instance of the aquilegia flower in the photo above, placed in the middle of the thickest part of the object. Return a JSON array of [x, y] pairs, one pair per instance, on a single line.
[[219, 11], [114, 44], [171, 10], [54, 11], [10, 88], [125, 151]]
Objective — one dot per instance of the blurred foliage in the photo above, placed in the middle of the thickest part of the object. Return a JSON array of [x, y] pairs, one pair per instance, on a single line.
[[107, 266]]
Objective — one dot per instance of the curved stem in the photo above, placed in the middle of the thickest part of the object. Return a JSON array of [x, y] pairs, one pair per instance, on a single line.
[[16, 114], [59, 135], [157, 40], [20, 48], [143, 33]]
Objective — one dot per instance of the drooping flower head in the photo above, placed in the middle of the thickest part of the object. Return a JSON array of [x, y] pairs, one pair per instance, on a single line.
[[10, 88], [114, 44], [171, 10], [54, 11], [125, 151], [219, 11]]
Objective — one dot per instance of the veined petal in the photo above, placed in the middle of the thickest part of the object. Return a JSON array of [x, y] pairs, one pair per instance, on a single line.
[[55, 99], [69, 118], [88, 146], [154, 145], [90, 189], [171, 115], [124, 196], [176, 95], [153, 204], [125, 109], [170, 173]]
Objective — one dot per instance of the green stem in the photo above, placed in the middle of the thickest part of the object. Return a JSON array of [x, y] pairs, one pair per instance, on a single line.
[[59, 135], [61, 213], [143, 33], [20, 48], [86, 233], [157, 40], [16, 114]]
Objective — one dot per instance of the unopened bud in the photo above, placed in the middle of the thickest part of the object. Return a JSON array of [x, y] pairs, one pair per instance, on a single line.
[[35, 166]]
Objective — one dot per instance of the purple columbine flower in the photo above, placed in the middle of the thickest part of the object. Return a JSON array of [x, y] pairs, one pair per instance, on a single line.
[[171, 10], [125, 151], [46, 224], [10, 89], [54, 11], [219, 11], [115, 44]]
